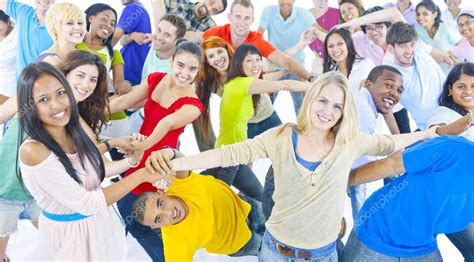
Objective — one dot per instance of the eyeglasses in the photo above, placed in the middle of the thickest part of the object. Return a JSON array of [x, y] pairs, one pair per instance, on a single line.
[[376, 27], [467, 23]]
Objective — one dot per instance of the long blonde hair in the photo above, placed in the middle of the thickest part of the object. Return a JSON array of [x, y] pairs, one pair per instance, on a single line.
[[348, 125]]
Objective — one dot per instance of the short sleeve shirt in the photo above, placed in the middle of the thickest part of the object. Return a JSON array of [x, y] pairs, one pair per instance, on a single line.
[[326, 21], [284, 34], [134, 18], [33, 38], [235, 112], [216, 220], [435, 196], [185, 10], [255, 38], [154, 64], [464, 51], [104, 55]]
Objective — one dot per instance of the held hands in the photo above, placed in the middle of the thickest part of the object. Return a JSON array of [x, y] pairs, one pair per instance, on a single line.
[[431, 132], [159, 162]]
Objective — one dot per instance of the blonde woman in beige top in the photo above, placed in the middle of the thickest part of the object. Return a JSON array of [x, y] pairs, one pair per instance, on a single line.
[[309, 205]]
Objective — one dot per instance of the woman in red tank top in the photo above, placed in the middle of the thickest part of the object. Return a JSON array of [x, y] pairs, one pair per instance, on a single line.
[[170, 105]]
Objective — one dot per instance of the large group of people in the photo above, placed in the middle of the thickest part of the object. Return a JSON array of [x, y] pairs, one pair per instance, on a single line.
[[75, 109]]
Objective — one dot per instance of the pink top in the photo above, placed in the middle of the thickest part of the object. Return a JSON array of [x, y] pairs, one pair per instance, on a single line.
[[98, 237], [368, 49], [326, 21], [464, 51]]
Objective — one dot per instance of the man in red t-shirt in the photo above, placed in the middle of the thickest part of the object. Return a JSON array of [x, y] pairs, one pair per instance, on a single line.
[[238, 32]]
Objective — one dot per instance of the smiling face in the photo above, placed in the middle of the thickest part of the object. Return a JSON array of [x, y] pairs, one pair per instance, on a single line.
[[349, 11], [209, 7], [404, 53], [286, 6], [327, 107], [320, 4], [252, 65], [425, 17], [162, 210], [51, 102], [83, 81], [218, 58], [377, 33], [386, 91], [103, 24], [184, 68], [337, 48], [462, 92], [164, 39], [466, 26], [74, 31], [240, 19], [453, 5]]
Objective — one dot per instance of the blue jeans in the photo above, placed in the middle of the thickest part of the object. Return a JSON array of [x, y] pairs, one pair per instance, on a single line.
[[270, 252], [256, 223], [297, 97], [464, 242], [241, 176], [255, 129], [148, 238], [356, 251], [358, 195]]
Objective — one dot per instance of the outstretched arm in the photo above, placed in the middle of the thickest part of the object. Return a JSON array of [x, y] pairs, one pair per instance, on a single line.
[[160, 162], [457, 127], [130, 99], [376, 170], [387, 15], [404, 140], [158, 10], [259, 86], [283, 60]]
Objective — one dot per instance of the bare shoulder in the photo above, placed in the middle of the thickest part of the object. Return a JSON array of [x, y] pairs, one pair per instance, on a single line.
[[32, 153]]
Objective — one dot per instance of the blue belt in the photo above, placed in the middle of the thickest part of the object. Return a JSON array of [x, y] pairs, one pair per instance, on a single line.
[[64, 217]]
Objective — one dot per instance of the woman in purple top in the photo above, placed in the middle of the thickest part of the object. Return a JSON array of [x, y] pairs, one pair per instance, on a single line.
[[326, 18]]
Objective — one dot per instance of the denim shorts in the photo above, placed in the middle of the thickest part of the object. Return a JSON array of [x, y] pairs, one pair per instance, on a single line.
[[13, 210]]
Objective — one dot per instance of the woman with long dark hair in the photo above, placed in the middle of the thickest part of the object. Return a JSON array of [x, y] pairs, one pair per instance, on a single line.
[[340, 55], [170, 105], [62, 168], [433, 31]]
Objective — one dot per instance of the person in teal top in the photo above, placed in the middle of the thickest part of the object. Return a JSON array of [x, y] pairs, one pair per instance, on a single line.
[[433, 31], [33, 38]]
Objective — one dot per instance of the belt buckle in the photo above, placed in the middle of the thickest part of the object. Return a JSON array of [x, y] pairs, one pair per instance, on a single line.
[[286, 251]]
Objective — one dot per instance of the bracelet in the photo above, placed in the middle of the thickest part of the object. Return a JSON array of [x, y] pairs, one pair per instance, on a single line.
[[174, 152], [130, 164], [107, 145]]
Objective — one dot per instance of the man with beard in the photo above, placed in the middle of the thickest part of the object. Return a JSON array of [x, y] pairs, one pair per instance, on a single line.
[[196, 15]]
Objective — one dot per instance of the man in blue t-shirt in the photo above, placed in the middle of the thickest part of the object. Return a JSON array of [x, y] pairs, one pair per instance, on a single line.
[[33, 38], [435, 196], [134, 29]]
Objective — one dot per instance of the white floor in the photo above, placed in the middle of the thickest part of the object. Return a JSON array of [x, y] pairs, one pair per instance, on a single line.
[[22, 245]]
